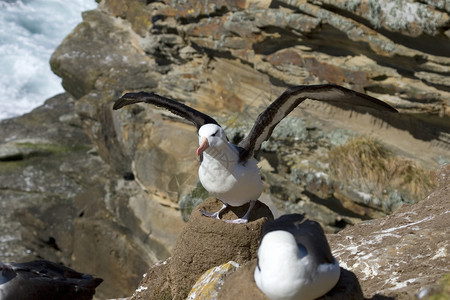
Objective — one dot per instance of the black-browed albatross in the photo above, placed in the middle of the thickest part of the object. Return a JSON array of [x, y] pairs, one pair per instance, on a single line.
[[229, 172], [44, 280], [295, 260]]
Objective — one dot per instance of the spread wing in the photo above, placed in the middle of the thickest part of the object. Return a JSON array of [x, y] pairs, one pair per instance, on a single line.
[[194, 116], [290, 99]]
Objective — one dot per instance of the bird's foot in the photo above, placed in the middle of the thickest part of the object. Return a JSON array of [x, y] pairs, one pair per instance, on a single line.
[[216, 214], [237, 221], [244, 219]]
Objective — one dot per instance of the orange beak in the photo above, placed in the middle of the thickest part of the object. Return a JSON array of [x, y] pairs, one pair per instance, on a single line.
[[204, 144]]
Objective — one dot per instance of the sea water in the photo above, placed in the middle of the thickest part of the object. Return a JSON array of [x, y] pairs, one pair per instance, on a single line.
[[30, 30]]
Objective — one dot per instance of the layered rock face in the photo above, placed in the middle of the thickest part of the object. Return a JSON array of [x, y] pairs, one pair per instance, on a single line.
[[232, 58], [60, 201], [104, 192]]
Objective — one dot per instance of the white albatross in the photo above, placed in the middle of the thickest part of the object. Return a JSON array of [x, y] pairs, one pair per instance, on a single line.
[[229, 172], [295, 260]]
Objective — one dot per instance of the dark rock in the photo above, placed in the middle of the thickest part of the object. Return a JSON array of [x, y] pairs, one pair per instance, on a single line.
[[40, 176]]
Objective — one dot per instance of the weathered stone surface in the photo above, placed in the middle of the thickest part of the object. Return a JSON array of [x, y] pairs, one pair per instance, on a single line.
[[32, 173], [441, 175], [108, 58], [411, 18], [208, 285], [402, 254], [253, 35]]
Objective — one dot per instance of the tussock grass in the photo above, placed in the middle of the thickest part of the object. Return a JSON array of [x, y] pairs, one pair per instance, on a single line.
[[367, 163], [443, 292]]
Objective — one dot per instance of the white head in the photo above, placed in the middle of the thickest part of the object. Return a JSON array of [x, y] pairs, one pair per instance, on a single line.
[[279, 272], [211, 135]]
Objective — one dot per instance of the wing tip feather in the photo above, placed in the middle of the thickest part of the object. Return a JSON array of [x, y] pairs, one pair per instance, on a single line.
[[127, 99], [119, 104]]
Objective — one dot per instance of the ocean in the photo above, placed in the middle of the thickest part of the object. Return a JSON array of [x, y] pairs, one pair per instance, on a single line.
[[30, 30]]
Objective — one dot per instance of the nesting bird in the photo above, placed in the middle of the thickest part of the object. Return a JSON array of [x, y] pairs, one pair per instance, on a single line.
[[229, 172], [295, 260], [44, 280]]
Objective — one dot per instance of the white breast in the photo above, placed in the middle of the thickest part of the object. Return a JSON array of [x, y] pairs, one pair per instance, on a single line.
[[229, 181], [284, 274]]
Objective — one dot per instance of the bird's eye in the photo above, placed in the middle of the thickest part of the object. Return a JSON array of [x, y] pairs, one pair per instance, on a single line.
[[214, 134]]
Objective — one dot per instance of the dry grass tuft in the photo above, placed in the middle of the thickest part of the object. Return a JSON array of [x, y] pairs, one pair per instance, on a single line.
[[367, 163]]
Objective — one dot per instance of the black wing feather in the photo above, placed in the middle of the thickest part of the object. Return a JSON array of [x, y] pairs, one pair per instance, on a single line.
[[194, 116], [290, 99]]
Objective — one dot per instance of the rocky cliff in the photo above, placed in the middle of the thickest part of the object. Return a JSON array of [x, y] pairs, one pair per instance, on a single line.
[[231, 58], [61, 201], [106, 191], [401, 256]]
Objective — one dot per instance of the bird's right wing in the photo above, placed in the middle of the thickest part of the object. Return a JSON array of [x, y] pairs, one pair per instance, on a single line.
[[194, 116]]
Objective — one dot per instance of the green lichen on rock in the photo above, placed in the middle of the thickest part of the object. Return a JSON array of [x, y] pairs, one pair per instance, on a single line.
[[188, 202], [208, 285]]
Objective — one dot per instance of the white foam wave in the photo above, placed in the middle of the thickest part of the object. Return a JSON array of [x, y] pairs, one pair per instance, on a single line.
[[30, 30]]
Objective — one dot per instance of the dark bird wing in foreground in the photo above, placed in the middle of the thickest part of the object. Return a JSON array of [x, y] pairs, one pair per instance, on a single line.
[[197, 118], [290, 99], [42, 279]]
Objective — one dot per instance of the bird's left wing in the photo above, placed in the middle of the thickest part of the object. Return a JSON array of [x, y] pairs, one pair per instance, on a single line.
[[194, 116], [290, 99]]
